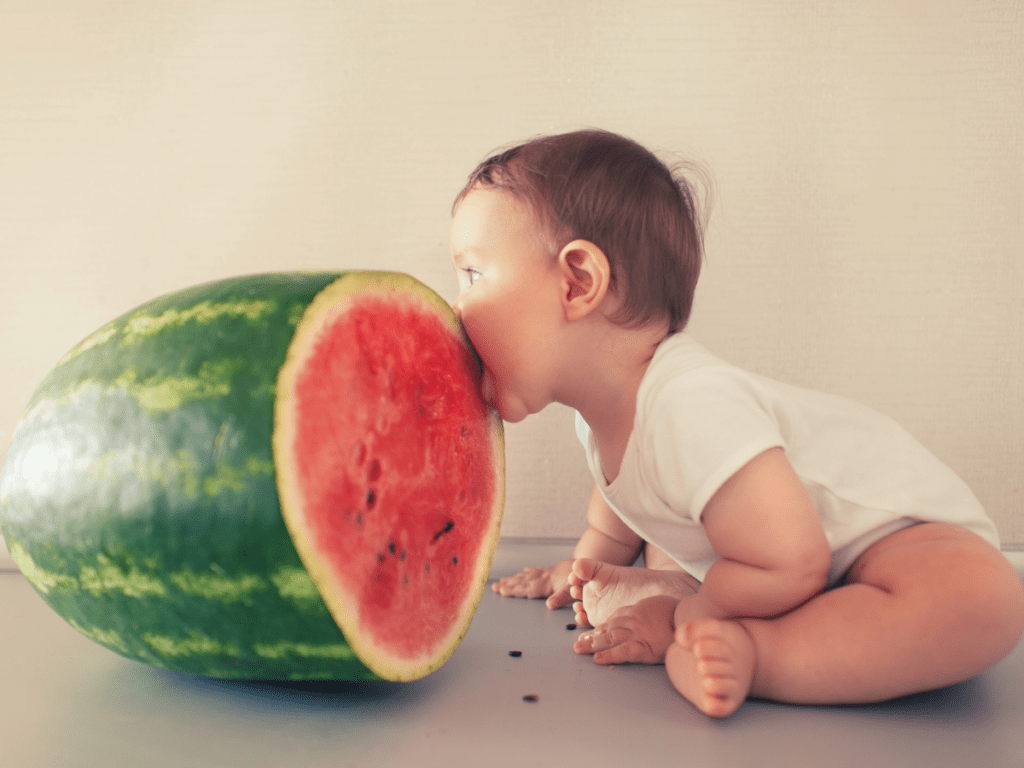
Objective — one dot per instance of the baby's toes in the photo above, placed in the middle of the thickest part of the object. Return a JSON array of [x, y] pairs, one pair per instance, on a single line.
[[717, 672], [712, 651], [584, 569], [722, 696]]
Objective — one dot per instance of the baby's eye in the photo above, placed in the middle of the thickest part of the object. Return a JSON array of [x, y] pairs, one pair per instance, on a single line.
[[472, 274]]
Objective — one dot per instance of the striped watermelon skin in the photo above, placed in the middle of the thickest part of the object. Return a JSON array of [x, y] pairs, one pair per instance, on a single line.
[[139, 495]]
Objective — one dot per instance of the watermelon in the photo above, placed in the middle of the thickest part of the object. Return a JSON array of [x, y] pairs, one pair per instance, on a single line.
[[278, 476]]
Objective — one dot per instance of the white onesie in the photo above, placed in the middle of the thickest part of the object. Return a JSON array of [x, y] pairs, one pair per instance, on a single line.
[[699, 420]]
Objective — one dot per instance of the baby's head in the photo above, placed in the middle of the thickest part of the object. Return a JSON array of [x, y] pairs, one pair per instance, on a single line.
[[597, 186]]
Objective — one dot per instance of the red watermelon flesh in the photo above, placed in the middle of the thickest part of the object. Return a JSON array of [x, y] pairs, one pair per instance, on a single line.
[[397, 473]]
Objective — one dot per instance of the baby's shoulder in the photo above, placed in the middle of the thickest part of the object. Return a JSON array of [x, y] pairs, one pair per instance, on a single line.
[[683, 372]]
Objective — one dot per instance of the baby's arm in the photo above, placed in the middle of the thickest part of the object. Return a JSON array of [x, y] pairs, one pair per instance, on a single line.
[[774, 557], [607, 539], [774, 554]]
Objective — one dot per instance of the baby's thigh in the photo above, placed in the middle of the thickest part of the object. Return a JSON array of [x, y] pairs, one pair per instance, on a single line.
[[943, 567], [897, 560]]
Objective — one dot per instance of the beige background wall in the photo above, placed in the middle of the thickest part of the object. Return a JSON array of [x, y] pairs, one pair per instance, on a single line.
[[866, 235]]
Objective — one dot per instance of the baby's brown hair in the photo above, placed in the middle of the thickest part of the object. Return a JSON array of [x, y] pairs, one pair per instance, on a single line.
[[598, 186]]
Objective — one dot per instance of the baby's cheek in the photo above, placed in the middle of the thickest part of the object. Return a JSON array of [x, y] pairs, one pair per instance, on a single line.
[[481, 337]]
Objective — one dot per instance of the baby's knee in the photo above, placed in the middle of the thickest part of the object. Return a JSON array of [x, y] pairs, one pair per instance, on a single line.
[[995, 595], [1010, 602]]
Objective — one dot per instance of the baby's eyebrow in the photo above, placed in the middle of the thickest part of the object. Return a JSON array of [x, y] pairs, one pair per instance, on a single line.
[[462, 254]]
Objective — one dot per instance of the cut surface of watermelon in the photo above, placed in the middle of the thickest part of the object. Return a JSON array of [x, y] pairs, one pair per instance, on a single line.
[[386, 458]]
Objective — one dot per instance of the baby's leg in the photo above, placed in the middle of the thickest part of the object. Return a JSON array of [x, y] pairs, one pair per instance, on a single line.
[[602, 589], [657, 560], [926, 607]]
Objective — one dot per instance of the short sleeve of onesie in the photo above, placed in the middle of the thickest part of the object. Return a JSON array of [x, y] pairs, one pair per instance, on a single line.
[[696, 430]]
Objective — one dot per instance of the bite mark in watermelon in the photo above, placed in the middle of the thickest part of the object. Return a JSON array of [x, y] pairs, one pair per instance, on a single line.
[[221, 480]]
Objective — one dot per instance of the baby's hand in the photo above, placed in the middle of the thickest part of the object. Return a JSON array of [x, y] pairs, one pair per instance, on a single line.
[[539, 582], [640, 633]]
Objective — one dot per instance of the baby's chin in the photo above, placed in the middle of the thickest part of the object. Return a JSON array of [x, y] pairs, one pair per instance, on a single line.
[[512, 412], [489, 392], [509, 413], [509, 407], [513, 417]]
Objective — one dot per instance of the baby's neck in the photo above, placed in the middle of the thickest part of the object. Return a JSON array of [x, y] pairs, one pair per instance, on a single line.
[[608, 389]]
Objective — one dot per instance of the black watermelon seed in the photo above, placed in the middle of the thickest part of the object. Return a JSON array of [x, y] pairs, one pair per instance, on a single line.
[[371, 499], [531, 697], [455, 560], [447, 528], [516, 654], [380, 557], [570, 626], [391, 547]]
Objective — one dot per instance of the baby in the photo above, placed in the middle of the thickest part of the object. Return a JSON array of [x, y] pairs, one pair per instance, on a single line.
[[797, 547]]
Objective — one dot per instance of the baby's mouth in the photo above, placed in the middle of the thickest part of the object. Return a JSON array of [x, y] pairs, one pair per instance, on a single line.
[[487, 390]]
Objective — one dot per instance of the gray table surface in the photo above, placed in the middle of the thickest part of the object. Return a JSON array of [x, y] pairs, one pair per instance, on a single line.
[[65, 701]]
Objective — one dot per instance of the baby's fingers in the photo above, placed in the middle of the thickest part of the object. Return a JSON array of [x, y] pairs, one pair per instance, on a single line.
[[630, 652], [536, 588], [532, 582], [601, 639], [593, 641], [616, 645], [509, 585], [512, 588], [560, 598], [501, 586]]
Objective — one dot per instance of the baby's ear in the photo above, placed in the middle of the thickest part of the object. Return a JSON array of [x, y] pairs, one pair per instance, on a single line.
[[585, 275]]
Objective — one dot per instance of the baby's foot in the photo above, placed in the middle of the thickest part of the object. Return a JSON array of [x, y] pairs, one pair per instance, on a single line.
[[602, 589], [712, 665]]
